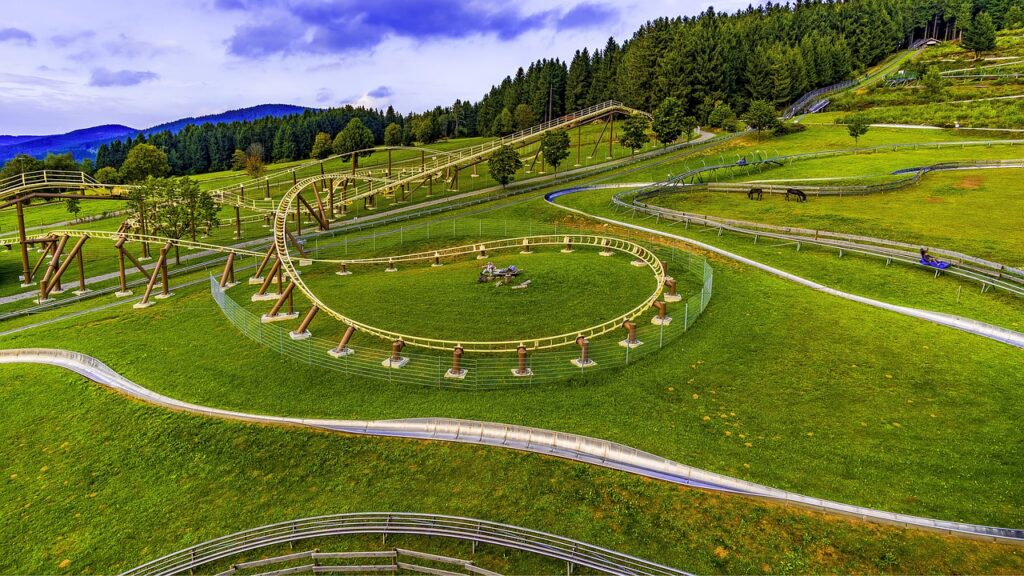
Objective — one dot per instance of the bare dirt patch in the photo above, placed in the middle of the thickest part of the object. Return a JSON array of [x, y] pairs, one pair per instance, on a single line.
[[972, 183]]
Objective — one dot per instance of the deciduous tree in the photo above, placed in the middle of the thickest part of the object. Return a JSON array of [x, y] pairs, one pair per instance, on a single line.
[[634, 133], [504, 164], [857, 125], [321, 146], [761, 116], [555, 148], [143, 161], [393, 135], [667, 123]]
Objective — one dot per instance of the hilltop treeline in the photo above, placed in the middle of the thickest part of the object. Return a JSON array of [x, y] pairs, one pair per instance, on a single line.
[[209, 147], [775, 52]]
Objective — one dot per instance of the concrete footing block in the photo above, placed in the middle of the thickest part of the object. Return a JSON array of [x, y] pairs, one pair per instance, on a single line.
[[230, 285], [523, 374], [346, 351], [267, 318], [672, 297], [340, 273], [124, 294], [27, 285], [630, 345], [264, 297], [606, 253], [638, 263], [438, 265], [81, 292], [56, 291], [459, 375], [389, 363], [567, 250], [164, 296], [256, 280], [40, 300], [661, 321], [142, 305], [526, 252], [305, 262], [300, 335], [579, 363], [391, 269]]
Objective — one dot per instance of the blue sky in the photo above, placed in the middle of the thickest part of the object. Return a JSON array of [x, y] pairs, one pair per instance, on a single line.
[[143, 63]]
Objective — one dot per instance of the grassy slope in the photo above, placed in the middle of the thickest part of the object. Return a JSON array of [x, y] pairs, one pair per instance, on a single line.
[[567, 292], [859, 275], [977, 212], [118, 483], [912, 104], [742, 368]]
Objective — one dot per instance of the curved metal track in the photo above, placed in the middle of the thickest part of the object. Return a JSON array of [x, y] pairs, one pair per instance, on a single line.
[[563, 445], [965, 324], [986, 272], [535, 343], [575, 552]]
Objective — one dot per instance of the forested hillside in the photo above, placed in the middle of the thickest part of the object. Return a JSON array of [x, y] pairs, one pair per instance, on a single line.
[[774, 52]]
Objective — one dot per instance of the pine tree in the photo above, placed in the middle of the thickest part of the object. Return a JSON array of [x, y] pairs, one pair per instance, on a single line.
[[980, 35]]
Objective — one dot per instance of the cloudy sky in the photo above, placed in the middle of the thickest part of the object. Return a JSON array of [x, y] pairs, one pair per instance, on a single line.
[[66, 66]]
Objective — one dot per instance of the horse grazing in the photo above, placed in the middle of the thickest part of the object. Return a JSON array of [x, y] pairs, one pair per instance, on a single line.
[[755, 194], [798, 194]]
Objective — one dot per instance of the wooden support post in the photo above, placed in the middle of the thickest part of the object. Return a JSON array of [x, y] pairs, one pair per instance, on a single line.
[[121, 278], [298, 217], [266, 259], [598, 142], [145, 231], [330, 198], [611, 134], [303, 330], [389, 162], [26, 274], [55, 280], [285, 294], [343, 349], [579, 143], [238, 223], [270, 277], [52, 267], [152, 279], [266, 189], [229, 271], [47, 252], [296, 244], [81, 274], [322, 219], [135, 262]]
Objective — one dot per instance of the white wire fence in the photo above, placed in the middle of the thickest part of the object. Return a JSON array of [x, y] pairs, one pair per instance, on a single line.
[[574, 552], [488, 371]]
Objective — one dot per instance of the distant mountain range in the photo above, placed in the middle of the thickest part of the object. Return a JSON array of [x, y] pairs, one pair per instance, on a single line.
[[85, 142]]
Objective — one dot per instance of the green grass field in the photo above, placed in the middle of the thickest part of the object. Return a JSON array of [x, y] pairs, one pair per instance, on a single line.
[[774, 383], [977, 212], [118, 483], [567, 292]]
